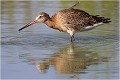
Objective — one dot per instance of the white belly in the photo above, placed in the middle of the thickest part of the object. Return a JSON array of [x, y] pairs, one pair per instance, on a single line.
[[70, 31]]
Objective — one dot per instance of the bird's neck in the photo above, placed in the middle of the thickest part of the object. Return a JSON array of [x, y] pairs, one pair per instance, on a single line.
[[49, 23]]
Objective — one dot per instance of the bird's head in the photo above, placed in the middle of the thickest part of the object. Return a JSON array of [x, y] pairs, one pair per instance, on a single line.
[[42, 17]]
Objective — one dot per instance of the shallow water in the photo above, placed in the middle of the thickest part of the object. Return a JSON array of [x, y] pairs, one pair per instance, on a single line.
[[39, 52]]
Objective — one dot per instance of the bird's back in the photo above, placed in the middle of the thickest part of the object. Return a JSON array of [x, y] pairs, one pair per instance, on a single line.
[[71, 18], [74, 19]]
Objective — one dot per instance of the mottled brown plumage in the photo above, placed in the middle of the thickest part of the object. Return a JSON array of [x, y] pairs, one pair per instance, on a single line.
[[70, 20]]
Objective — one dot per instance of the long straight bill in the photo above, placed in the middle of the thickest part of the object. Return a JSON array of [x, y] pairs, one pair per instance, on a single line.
[[29, 24]]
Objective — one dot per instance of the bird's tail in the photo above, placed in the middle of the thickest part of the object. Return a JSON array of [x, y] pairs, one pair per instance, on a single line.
[[101, 19]]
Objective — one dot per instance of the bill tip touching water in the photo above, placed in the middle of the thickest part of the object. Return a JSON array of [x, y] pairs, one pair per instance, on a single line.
[[70, 21]]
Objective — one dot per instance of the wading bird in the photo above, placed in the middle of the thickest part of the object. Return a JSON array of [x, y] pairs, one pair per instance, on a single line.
[[70, 20]]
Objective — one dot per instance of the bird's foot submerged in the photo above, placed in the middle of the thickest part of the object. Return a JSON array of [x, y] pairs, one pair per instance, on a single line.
[[72, 39]]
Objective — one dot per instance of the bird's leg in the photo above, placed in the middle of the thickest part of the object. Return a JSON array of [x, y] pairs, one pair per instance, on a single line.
[[72, 38], [71, 32]]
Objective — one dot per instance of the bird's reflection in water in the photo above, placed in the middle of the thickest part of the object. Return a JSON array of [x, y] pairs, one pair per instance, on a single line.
[[70, 60]]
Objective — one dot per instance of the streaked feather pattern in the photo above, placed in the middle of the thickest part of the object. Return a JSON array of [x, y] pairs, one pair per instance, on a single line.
[[76, 19]]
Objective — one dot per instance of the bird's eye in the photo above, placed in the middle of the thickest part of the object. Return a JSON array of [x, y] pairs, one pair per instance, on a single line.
[[40, 16]]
